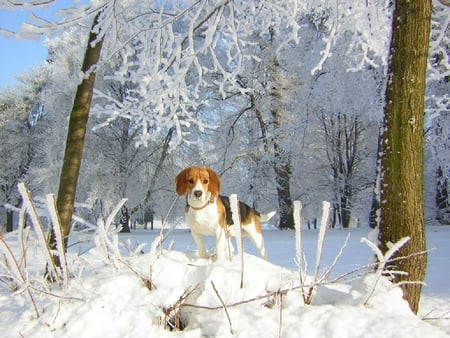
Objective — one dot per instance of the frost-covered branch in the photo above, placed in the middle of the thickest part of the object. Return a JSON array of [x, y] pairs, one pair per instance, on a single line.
[[234, 205], [170, 61]]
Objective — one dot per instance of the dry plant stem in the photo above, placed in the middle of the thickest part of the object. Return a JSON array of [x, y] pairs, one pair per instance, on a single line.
[[234, 203], [109, 245], [17, 274], [436, 318], [443, 316], [224, 307], [382, 260], [341, 251], [163, 237], [173, 310], [280, 315], [320, 243], [54, 295], [246, 301], [37, 225], [22, 241], [298, 245], [51, 203]]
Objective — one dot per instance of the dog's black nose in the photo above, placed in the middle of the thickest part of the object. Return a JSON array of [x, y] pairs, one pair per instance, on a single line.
[[197, 193]]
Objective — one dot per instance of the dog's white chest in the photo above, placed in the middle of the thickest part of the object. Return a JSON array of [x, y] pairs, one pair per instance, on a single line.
[[204, 221]]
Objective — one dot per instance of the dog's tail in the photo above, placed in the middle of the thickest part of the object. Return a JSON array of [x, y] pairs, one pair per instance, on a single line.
[[266, 217]]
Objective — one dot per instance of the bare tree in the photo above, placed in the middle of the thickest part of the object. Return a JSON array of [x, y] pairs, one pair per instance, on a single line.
[[402, 212], [343, 144], [442, 196]]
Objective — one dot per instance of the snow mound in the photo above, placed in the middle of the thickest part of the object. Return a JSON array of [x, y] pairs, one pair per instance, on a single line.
[[147, 295]]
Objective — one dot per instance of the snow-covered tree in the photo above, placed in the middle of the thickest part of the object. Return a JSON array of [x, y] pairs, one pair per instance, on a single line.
[[344, 148], [20, 108], [175, 52]]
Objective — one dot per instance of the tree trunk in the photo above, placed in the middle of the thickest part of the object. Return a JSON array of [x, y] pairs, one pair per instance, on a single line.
[[282, 158], [151, 186], [402, 147], [283, 176], [76, 135], [375, 207], [345, 210], [9, 220]]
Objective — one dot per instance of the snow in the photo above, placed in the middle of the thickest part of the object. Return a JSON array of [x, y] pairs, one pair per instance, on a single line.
[[133, 292]]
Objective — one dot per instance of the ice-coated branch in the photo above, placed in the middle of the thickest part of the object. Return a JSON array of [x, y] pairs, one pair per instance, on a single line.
[[11, 265], [234, 206], [106, 238], [383, 260], [298, 237], [28, 205], [322, 231], [51, 204]]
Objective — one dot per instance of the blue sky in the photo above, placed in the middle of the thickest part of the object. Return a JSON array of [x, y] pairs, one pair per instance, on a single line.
[[17, 56]]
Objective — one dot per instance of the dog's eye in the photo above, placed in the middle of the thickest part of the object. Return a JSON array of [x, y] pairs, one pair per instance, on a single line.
[[191, 181], [205, 181]]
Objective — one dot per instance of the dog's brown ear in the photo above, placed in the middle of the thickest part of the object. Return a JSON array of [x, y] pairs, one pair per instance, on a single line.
[[214, 182], [181, 183]]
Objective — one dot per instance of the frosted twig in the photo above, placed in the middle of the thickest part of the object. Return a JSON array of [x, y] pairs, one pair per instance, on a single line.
[[114, 212], [162, 237], [341, 251], [382, 260], [444, 316], [16, 273], [37, 225], [224, 307], [298, 245], [234, 205], [298, 236], [280, 326], [320, 243], [321, 239], [51, 204]]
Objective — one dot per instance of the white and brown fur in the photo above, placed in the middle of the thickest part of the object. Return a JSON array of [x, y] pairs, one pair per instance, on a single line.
[[209, 214]]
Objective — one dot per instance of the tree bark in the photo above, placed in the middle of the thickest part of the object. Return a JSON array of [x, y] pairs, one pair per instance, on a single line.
[[76, 134], [283, 170], [282, 158], [402, 144]]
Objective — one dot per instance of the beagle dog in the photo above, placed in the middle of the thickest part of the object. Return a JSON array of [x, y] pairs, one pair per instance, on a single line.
[[208, 213]]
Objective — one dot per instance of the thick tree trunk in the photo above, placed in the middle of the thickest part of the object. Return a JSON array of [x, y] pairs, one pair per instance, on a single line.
[[283, 176], [76, 135], [282, 158], [402, 146]]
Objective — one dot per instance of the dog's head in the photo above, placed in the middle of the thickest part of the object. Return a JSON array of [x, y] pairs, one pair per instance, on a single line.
[[197, 182]]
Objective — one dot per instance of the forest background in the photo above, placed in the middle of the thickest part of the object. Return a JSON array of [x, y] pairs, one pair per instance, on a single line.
[[284, 107]]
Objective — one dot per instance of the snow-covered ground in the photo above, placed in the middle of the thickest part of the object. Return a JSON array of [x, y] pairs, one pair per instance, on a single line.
[[135, 292]]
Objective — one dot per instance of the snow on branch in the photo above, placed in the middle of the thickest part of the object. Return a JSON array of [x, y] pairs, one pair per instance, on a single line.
[[169, 59], [234, 205]]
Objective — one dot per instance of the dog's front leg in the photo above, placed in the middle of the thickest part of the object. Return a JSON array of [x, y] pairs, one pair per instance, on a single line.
[[198, 238]]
